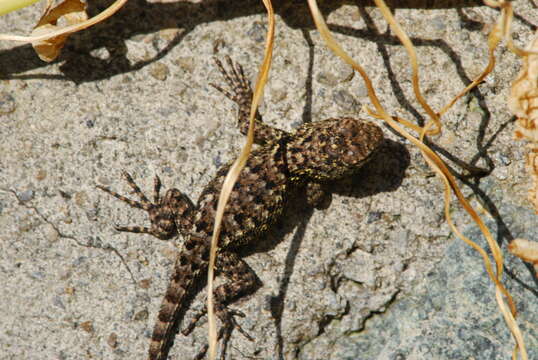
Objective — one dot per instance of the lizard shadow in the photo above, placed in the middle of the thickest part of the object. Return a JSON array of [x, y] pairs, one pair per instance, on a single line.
[[102, 51], [383, 173]]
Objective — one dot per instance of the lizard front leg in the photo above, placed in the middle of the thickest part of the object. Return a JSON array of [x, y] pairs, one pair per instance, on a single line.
[[241, 93], [242, 281], [168, 215]]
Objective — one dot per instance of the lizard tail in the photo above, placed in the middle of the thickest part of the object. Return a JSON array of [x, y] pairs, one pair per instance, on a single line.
[[187, 268]]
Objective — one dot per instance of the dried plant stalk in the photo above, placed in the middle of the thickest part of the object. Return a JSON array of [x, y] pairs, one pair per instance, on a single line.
[[500, 30], [234, 172]]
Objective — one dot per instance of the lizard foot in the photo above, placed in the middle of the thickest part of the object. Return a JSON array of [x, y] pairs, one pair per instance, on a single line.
[[227, 317], [162, 211], [241, 92], [238, 90]]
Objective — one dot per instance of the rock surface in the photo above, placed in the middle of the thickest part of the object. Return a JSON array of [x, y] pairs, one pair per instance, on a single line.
[[376, 275]]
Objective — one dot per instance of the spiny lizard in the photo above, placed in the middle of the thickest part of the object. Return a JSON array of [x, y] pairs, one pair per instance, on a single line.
[[312, 155]]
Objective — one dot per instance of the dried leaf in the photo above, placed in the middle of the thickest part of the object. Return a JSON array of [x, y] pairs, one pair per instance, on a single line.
[[526, 250], [47, 31], [523, 103], [73, 11]]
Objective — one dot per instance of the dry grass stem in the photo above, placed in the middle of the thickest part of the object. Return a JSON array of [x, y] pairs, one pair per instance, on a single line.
[[500, 30], [234, 172]]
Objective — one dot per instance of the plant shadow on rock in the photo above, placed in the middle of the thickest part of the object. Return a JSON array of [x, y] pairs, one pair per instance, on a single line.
[[138, 17]]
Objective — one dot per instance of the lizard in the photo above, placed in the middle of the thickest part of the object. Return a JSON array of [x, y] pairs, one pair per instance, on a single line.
[[312, 155]]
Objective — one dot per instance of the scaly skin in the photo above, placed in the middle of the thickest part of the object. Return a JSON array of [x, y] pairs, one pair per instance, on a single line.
[[314, 154]]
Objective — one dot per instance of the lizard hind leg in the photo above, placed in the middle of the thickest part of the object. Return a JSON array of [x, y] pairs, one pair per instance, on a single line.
[[168, 215], [243, 281]]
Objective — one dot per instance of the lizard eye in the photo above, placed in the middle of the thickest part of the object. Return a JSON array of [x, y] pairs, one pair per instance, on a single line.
[[337, 141]]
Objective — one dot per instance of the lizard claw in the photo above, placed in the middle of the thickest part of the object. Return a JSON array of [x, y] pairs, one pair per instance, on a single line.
[[227, 317], [163, 212], [240, 91], [225, 332]]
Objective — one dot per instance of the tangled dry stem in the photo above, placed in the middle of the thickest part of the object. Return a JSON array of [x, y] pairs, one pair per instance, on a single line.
[[433, 127]]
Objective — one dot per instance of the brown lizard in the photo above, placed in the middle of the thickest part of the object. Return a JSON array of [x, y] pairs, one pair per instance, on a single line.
[[312, 155]]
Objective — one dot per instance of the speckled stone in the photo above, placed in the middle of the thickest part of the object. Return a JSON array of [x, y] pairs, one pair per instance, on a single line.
[[376, 275]]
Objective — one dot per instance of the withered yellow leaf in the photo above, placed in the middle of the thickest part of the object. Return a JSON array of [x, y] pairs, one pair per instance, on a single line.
[[72, 11]]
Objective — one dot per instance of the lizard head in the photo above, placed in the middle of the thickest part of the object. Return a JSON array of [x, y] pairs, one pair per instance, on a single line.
[[332, 148]]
